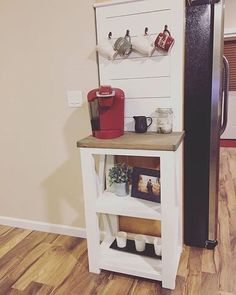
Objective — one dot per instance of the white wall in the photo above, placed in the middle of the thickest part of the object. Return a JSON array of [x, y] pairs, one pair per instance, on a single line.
[[230, 12], [47, 48]]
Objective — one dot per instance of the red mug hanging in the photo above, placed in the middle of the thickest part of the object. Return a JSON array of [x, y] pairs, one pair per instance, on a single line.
[[164, 41]]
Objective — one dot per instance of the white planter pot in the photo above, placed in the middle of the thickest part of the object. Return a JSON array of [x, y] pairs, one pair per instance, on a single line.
[[121, 189]]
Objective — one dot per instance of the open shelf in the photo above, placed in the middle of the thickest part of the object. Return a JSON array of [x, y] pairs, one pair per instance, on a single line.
[[149, 250], [132, 264], [109, 203], [169, 212]]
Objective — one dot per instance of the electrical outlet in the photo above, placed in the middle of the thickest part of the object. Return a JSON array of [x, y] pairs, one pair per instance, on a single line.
[[75, 98]]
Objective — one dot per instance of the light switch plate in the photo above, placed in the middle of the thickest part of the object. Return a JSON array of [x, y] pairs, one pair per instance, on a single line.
[[75, 98]]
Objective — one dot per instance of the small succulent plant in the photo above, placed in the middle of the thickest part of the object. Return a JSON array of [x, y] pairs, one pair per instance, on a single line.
[[120, 173]]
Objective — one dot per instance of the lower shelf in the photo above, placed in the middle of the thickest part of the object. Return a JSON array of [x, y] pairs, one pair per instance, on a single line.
[[128, 263], [130, 247]]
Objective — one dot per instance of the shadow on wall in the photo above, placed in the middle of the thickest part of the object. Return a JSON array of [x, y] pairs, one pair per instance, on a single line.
[[64, 189]]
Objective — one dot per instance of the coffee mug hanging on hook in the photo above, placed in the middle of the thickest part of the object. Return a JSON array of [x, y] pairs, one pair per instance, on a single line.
[[123, 45], [143, 44], [164, 41], [105, 48]]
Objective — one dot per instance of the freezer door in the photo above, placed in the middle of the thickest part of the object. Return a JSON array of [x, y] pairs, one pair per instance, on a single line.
[[202, 122], [216, 110], [197, 118]]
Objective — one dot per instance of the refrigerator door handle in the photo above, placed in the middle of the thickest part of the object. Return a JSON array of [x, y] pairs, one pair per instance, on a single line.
[[225, 96]]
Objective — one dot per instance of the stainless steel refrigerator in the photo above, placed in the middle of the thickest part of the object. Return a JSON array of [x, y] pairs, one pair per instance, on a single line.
[[205, 118]]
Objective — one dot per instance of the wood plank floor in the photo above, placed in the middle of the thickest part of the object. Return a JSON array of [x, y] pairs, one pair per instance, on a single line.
[[40, 263]]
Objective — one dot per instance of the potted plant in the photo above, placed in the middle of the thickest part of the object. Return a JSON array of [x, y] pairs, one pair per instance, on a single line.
[[119, 176]]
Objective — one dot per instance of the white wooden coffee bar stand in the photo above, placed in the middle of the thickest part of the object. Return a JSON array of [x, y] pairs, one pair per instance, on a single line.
[[100, 202]]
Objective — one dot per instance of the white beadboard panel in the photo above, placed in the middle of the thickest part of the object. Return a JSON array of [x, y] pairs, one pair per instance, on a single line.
[[148, 83], [155, 21], [143, 87], [158, 66], [145, 107], [177, 63], [135, 8], [129, 125], [112, 2]]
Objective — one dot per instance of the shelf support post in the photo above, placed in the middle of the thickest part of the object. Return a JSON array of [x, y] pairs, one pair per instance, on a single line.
[[169, 224], [90, 194]]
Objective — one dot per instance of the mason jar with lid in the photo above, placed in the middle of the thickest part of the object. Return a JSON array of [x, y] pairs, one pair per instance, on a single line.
[[164, 120]]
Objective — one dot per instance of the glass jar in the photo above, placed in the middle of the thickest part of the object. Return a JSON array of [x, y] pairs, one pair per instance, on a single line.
[[164, 120]]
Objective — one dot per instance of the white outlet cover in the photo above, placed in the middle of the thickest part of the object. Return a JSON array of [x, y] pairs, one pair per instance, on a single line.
[[74, 98]]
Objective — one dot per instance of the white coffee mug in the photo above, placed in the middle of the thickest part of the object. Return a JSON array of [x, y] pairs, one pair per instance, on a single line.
[[143, 44], [157, 246], [105, 49], [140, 242], [121, 239]]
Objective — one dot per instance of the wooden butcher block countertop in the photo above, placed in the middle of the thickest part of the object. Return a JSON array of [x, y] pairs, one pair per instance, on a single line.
[[137, 141]]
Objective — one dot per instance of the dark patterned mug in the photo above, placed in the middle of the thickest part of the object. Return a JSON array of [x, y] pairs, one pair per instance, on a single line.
[[123, 45]]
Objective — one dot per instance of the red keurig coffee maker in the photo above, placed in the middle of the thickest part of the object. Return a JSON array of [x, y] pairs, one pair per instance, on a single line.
[[106, 107]]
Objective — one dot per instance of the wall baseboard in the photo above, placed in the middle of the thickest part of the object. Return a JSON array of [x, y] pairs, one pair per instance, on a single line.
[[45, 227]]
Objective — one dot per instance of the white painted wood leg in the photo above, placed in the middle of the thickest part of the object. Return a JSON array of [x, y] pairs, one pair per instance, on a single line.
[[169, 224], [179, 192], [101, 173], [110, 161], [91, 217]]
